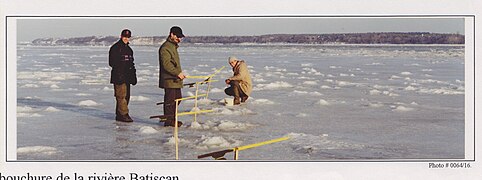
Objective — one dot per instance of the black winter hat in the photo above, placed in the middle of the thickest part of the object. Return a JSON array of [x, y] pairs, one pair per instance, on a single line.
[[177, 31], [126, 33]]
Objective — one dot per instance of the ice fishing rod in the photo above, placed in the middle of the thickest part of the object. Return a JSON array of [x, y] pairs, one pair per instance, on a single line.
[[219, 155]]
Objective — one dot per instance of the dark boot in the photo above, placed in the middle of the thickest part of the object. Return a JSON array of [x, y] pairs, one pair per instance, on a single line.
[[123, 118], [244, 98], [171, 123], [129, 118], [236, 101]]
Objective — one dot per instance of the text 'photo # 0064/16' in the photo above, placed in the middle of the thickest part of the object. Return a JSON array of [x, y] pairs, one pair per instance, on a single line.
[[291, 89]]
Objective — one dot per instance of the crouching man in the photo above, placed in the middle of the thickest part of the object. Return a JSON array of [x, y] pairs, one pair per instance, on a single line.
[[240, 83]]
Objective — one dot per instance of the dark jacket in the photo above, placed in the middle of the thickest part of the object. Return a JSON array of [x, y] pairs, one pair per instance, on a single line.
[[121, 59], [169, 65]]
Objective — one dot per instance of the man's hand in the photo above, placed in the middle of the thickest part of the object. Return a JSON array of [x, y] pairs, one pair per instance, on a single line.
[[181, 76], [227, 81]]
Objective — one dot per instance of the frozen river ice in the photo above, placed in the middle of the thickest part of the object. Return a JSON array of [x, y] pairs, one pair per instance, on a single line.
[[336, 102]]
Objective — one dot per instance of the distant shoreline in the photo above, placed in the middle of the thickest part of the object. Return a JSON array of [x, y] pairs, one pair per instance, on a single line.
[[417, 38], [268, 44]]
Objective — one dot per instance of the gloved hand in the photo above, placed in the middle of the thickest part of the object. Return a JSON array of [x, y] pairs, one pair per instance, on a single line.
[[133, 76]]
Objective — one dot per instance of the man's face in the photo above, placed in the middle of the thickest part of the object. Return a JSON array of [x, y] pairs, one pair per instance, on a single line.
[[232, 63], [175, 38], [125, 40]]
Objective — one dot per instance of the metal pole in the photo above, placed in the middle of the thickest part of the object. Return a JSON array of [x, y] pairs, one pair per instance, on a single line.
[[175, 132], [195, 101], [209, 88], [236, 153]]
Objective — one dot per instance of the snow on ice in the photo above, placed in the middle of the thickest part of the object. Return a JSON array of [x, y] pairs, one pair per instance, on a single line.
[[382, 102]]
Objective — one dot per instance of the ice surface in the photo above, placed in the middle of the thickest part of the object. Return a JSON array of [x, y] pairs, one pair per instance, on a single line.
[[335, 102]]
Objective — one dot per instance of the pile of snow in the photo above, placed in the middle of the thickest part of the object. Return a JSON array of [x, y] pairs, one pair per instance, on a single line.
[[197, 125], [273, 86], [323, 102], [83, 94], [375, 64], [25, 111], [29, 86], [224, 125], [442, 91], [107, 89], [311, 83], [269, 67], [147, 130], [205, 101], [216, 142], [44, 150], [314, 93], [216, 90], [195, 109], [310, 70], [325, 87], [139, 98], [230, 126], [93, 81], [262, 102], [54, 86], [88, 103], [300, 92], [227, 111], [346, 83], [410, 88], [172, 141], [375, 104], [375, 92], [52, 109], [301, 115], [310, 144], [402, 109], [259, 80]]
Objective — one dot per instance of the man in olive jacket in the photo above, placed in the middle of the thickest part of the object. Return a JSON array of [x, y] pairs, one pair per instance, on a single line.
[[241, 85], [123, 74], [170, 74]]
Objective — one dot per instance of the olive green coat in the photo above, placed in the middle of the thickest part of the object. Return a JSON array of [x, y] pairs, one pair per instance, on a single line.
[[241, 73], [169, 65]]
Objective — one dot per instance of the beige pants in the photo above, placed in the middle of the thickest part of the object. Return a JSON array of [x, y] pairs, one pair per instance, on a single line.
[[122, 93]]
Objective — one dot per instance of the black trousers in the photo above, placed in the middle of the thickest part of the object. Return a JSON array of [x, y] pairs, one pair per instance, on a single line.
[[170, 95], [235, 89]]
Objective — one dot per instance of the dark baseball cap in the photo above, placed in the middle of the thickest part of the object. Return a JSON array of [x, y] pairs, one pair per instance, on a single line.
[[177, 31], [126, 33]]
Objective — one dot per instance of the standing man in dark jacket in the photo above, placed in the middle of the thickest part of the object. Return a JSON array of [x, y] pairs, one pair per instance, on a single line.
[[170, 74], [123, 74]]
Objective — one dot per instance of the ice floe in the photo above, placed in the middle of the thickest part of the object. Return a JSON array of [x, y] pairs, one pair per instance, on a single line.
[[45, 150]]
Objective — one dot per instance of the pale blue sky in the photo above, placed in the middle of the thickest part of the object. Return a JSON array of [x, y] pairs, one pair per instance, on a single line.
[[29, 29]]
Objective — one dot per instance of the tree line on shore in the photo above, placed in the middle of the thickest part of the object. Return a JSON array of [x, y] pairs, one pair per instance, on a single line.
[[340, 38]]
